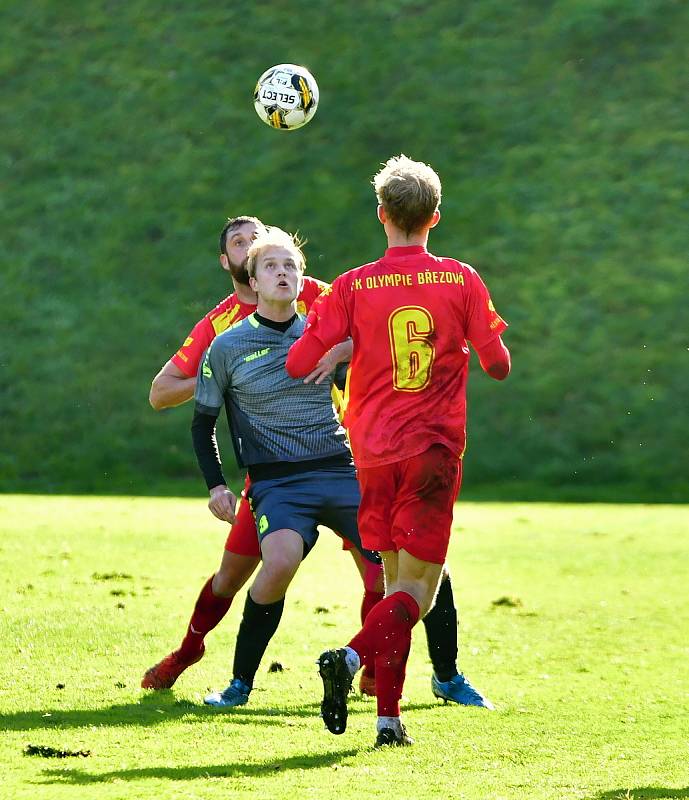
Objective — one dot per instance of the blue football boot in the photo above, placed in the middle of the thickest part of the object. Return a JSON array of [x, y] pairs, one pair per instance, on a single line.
[[459, 690], [236, 694]]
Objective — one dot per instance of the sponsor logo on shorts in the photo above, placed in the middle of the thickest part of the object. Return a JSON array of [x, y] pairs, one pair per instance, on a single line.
[[263, 524]]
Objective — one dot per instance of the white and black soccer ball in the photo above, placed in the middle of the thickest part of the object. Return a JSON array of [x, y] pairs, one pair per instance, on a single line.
[[286, 97]]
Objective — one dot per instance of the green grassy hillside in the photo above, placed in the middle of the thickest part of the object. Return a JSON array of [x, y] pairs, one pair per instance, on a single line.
[[559, 129]]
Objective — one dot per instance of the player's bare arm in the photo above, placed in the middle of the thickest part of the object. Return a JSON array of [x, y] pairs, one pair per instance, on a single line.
[[171, 387]]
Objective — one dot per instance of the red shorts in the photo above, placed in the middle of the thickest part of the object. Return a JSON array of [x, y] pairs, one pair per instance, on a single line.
[[408, 505], [243, 538]]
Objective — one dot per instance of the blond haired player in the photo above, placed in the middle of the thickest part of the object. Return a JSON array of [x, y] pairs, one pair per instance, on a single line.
[[410, 315], [286, 434]]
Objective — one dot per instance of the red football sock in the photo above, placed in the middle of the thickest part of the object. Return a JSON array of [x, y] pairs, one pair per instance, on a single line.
[[384, 641], [391, 670], [208, 612], [369, 600]]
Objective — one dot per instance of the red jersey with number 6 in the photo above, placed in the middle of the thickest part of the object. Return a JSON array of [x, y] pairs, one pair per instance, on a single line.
[[410, 315]]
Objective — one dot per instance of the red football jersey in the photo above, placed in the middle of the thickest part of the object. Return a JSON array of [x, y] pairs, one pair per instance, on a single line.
[[410, 315], [226, 313]]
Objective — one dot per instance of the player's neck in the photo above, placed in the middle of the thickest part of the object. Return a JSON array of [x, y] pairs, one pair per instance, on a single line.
[[245, 294], [398, 238], [277, 312]]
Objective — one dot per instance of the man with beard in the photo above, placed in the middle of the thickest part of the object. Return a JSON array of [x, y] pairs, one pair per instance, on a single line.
[[174, 385]]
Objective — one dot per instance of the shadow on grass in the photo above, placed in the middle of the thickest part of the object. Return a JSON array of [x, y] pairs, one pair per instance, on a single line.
[[154, 709], [430, 704], [644, 793], [78, 777]]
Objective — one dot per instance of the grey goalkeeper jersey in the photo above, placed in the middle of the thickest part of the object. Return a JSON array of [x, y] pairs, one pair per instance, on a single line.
[[272, 417]]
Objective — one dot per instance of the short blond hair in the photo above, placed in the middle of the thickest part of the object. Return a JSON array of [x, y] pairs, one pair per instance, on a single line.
[[274, 237], [409, 191]]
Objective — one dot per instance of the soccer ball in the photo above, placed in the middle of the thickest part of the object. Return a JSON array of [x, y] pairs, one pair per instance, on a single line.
[[286, 97]]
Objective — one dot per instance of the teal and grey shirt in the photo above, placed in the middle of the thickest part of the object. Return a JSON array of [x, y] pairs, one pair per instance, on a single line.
[[274, 419]]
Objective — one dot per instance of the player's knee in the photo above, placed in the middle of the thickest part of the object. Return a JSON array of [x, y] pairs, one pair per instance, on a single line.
[[231, 577], [225, 586], [279, 569], [421, 591]]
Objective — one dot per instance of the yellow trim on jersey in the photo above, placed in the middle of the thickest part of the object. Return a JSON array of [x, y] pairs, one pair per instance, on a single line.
[[223, 321], [345, 396], [340, 398]]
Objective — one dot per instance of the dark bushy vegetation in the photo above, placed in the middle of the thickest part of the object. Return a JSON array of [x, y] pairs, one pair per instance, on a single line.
[[559, 130]]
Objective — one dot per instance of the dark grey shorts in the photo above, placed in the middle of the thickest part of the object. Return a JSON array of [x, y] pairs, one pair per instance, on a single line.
[[303, 501]]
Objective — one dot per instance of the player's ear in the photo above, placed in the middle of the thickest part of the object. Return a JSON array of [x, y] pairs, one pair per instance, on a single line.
[[382, 217], [435, 219], [224, 262], [252, 283]]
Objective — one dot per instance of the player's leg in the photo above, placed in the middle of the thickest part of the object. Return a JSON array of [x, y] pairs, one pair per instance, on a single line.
[[417, 578], [441, 630], [337, 667], [439, 476], [342, 501], [384, 640], [420, 529], [275, 502], [282, 553], [374, 591], [216, 597], [240, 558], [447, 682], [417, 495], [372, 578], [410, 594], [422, 522]]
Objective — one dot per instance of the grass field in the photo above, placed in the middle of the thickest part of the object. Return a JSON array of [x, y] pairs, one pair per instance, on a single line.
[[587, 663]]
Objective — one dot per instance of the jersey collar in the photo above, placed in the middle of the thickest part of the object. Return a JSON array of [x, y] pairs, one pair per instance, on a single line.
[[401, 252]]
